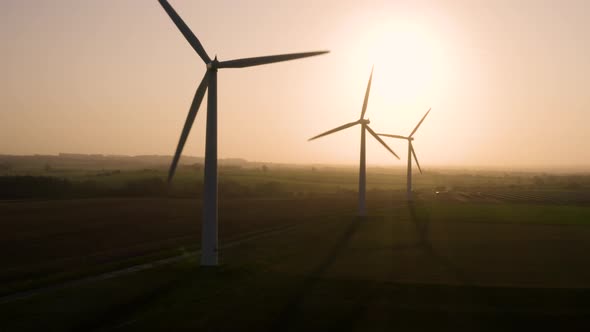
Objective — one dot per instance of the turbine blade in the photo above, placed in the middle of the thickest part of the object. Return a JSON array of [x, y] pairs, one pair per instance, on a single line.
[[184, 29], [190, 118], [366, 101], [393, 136], [415, 158], [381, 141], [263, 60], [419, 123], [334, 130]]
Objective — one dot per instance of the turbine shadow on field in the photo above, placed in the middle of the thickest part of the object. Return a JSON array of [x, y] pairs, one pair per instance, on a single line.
[[120, 315], [290, 310], [422, 225]]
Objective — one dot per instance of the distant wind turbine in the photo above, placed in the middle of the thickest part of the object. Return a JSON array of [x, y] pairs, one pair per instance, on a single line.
[[209, 246], [411, 153], [364, 127]]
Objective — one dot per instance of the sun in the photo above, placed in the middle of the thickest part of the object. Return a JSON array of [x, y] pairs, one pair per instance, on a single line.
[[409, 59]]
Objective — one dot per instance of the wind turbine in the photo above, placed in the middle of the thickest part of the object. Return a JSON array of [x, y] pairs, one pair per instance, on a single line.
[[364, 128], [411, 153], [209, 247]]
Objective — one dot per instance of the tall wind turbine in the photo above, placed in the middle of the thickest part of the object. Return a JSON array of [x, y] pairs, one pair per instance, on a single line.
[[209, 225], [411, 153], [364, 128]]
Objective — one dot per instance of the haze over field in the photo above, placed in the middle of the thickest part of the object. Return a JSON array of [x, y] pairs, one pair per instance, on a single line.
[[507, 81]]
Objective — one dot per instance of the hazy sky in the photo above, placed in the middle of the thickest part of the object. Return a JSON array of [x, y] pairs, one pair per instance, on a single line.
[[508, 81]]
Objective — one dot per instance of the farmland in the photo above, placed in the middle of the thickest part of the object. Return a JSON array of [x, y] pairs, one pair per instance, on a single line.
[[479, 250]]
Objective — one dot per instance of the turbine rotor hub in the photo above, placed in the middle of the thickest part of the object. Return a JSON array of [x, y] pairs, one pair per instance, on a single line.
[[214, 64], [365, 121]]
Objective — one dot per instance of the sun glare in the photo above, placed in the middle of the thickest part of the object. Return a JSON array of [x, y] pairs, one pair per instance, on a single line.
[[409, 60]]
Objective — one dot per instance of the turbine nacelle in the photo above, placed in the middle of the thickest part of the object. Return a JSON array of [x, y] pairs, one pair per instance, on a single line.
[[213, 65], [364, 121]]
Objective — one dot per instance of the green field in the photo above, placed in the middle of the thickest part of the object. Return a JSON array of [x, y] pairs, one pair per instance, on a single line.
[[490, 251], [341, 272]]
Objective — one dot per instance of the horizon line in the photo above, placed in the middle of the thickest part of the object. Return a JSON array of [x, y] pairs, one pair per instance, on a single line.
[[537, 168]]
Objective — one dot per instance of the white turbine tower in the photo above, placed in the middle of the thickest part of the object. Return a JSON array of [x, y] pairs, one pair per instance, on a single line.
[[209, 254], [364, 127], [411, 153]]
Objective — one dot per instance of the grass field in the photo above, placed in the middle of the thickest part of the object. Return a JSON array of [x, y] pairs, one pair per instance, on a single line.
[[55, 239], [390, 270], [491, 254]]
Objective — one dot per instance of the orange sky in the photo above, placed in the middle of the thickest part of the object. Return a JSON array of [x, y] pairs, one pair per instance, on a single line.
[[507, 80]]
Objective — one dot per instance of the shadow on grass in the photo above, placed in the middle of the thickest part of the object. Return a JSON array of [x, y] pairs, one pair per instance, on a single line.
[[293, 307], [422, 225], [122, 314]]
